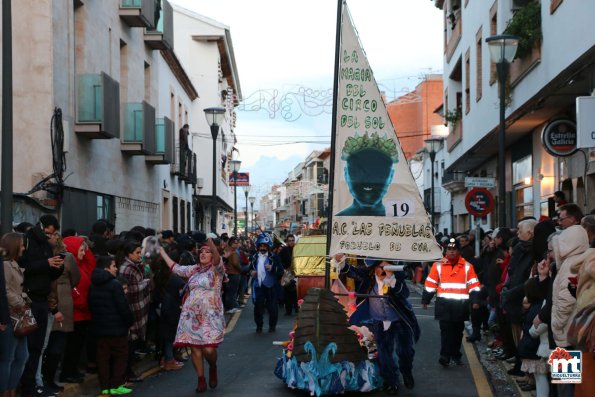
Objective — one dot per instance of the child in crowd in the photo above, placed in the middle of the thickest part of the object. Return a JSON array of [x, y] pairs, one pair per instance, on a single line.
[[110, 323], [528, 345]]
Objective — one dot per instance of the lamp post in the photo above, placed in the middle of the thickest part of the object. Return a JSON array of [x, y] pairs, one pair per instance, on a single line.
[[214, 117], [235, 167], [252, 199], [432, 146], [502, 50], [7, 120], [247, 189]]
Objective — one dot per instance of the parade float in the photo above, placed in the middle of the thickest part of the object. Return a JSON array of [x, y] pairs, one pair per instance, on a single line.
[[324, 354], [375, 211]]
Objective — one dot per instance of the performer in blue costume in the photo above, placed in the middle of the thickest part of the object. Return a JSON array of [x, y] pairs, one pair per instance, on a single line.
[[266, 271], [391, 319]]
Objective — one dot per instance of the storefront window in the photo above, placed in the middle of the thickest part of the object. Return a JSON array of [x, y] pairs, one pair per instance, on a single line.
[[521, 170], [523, 187], [524, 202]]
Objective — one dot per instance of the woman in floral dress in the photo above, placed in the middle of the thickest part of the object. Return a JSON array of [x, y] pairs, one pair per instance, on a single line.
[[202, 322]]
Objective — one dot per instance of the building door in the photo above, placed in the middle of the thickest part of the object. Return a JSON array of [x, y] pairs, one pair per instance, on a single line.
[[175, 214], [165, 212], [81, 208]]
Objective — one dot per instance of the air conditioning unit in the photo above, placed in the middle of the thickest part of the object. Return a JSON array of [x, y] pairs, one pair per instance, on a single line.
[[518, 4]]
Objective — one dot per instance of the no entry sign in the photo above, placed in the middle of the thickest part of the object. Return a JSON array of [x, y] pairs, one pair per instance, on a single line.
[[479, 202]]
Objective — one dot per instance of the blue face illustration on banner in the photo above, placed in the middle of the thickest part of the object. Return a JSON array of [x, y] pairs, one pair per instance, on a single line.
[[368, 174]]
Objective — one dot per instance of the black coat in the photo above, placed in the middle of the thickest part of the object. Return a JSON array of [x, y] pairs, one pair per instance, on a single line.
[[38, 272], [111, 315], [286, 256], [493, 275], [171, 307], [519, 270], [528, 345], [99, 244]]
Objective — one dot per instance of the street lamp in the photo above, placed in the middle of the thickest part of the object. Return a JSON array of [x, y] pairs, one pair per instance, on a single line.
[[432, 146], [235, 167], [502, 50], [215, 118], [247, 189], [252, 199]]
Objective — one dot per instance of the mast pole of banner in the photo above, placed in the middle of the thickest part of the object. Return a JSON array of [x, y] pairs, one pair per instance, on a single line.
[[331, 182]]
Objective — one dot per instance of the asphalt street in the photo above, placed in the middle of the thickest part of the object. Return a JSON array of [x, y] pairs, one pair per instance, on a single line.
[[247, 359]]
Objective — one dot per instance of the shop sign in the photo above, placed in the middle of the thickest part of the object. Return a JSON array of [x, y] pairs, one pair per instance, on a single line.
[[479, 202], [480, 182], [242, 180], [585, 120], [559, 138]]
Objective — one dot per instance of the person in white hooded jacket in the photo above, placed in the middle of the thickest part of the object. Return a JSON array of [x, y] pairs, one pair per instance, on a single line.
[[568, 247]]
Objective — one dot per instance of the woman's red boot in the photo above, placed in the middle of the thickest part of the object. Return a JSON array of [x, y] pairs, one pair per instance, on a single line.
[[202, 384], [213, 376]]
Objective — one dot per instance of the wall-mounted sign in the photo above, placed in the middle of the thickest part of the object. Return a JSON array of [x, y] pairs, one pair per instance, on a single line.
[[479, 202], [243, 179], [559, 138], [480, 182], [585, 121]]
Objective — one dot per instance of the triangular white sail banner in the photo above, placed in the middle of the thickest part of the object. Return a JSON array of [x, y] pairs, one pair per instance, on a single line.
[[377, 209]]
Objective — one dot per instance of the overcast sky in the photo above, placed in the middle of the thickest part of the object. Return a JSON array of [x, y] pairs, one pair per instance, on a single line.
[[288, 46]]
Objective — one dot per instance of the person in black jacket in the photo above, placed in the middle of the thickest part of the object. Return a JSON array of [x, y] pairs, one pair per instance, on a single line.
[[110, 323], [171, 308], [289, 289], [41, 267], [391, 319], [512, 294], [99, 237]]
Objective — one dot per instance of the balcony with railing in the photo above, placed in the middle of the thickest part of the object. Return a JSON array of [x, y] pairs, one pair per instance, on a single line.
[[138, 13], [97, 106], [164, 142], [192, 177], [161, 35], [428, 200], [138, 137], [454, 181]]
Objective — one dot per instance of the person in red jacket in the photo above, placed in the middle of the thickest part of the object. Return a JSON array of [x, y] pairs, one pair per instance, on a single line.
[[454, 281], [80, 337]]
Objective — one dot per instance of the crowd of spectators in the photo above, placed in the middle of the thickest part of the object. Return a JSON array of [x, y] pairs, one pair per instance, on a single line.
[[535, 278], [100, 304]]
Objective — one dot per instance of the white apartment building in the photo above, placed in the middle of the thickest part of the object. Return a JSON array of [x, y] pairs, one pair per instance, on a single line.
[[300, 202], [205, 48], [544, 83], [122, 93]]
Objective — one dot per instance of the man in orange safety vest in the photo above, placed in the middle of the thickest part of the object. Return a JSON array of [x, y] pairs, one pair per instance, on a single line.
[[454, 282]]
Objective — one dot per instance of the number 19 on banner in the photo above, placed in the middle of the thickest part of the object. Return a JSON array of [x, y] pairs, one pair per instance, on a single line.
[[400, 208]]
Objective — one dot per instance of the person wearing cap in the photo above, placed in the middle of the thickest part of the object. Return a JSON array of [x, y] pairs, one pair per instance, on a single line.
[[388, 314], [454, 281], [266, 270]]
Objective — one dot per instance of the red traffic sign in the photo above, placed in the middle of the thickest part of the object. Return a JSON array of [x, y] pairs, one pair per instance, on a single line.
[[479, 202]]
